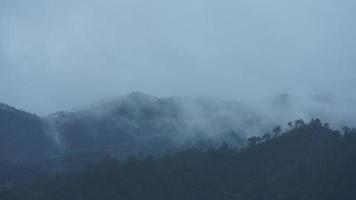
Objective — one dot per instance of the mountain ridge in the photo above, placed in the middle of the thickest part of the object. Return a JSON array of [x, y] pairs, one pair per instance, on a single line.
[[131, 124]]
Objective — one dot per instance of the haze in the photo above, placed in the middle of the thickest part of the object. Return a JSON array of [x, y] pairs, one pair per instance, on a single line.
[[55, 55]]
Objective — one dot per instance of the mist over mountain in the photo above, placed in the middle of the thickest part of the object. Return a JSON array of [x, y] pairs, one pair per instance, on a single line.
[[237, 100], [129, 125], [139, 123], [137, 145]]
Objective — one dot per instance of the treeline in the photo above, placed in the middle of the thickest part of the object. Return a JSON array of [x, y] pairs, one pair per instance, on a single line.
[[307, 161]]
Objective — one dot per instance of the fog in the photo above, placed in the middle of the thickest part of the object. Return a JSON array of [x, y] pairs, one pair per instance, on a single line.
[[56, 55]]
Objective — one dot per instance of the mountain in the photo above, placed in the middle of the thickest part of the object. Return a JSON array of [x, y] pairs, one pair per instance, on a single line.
[[22, 136], [128, 125], [138, 123], [309, 161]]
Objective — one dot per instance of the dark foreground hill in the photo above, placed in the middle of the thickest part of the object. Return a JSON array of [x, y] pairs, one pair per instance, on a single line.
[[309, 162]]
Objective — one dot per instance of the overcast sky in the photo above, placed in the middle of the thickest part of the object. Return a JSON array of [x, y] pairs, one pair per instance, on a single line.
[[58, 54]]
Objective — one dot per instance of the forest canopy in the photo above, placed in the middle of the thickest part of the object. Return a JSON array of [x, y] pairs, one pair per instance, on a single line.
[[306, 161]]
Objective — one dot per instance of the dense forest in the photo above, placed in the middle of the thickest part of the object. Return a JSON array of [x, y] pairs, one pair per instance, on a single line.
[[306, 161]]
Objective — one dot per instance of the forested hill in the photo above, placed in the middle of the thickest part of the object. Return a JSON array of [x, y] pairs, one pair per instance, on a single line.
[[22, 136], [131, 124], [139, 123], [309, 161]]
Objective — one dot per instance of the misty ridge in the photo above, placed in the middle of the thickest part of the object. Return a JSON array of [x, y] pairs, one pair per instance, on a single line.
[[133, 124], [140, 124]]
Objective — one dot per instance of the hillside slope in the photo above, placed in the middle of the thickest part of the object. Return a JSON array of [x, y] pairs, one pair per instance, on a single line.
[[132, 124], [22, 136], [138, 123], [309, 161]]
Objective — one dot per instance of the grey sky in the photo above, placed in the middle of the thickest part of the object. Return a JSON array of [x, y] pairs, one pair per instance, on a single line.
[[58, 54]]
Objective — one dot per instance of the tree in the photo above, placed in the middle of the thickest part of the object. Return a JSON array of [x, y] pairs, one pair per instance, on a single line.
[[277, 130], [266, 137], [326, 125], [290, 124], [315, 122], [253, 141], [346, 130], [299, 123]]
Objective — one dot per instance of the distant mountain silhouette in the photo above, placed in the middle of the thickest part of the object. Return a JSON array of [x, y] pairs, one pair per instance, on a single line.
[[139, 123], [129, 125]]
